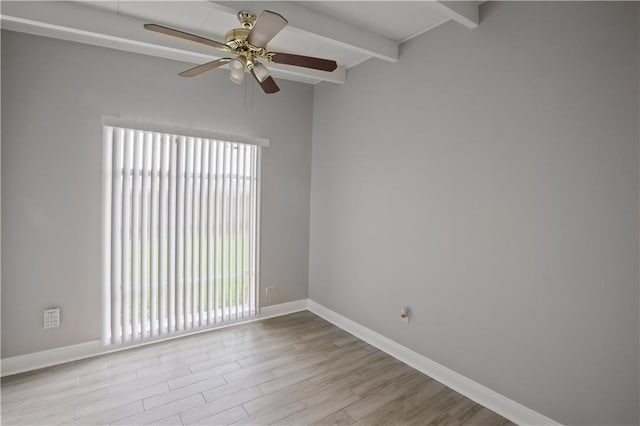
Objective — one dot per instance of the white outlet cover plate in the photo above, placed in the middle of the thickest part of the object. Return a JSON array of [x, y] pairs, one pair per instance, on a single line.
[[52, 318]]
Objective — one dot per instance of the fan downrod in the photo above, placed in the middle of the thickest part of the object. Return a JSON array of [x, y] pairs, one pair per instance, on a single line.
[[247, 19]]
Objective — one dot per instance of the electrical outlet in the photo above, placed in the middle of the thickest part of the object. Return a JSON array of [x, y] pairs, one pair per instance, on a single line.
[[52, 318], [404, 314]]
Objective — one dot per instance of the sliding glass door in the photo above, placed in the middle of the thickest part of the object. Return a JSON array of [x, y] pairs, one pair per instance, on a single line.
[[181, 233]]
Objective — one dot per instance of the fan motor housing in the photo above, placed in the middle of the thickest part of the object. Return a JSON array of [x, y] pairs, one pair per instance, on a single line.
[[237, 34]]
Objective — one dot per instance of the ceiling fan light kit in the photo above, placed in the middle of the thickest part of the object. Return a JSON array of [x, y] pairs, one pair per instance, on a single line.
[[237, 71], [247, 46]]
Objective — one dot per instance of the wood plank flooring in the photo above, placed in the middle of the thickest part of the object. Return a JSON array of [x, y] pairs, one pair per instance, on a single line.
[[292, 370]]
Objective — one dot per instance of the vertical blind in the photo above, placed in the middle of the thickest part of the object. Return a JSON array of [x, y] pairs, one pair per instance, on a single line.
[[180, 232]]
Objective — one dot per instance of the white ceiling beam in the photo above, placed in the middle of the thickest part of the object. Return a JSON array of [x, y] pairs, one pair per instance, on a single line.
[[83, 24], [463, 12], [332, 30]]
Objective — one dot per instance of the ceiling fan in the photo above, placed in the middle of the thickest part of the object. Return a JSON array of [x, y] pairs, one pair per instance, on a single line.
[[246, 46]]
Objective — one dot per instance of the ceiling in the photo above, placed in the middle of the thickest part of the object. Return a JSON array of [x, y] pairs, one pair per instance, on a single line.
[[398, 20], [350, 32]]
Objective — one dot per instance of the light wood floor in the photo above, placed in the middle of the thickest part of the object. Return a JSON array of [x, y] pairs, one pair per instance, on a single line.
[[292, 370]]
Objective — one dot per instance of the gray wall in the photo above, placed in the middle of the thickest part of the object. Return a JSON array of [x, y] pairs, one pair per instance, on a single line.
[[54, 94], [489, 180]]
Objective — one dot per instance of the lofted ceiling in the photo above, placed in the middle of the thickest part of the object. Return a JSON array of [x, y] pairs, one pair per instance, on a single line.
[[349, 32]]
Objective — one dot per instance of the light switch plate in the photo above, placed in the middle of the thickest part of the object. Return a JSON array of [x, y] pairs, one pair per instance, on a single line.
[[52, 318]]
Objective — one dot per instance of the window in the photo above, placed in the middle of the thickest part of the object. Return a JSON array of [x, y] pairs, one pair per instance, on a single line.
[[181, 233]]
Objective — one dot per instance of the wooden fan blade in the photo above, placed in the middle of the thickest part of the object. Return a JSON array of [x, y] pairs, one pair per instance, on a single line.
[[192, 72], [268, 84], [187, 36], [266, 27], [304, 61]]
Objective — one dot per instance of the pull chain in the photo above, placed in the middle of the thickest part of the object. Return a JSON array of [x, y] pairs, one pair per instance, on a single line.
[[248, 93]]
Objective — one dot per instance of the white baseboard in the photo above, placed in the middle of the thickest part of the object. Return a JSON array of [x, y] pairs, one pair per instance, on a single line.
[[494, 401], [502, 405], [283, 308], [37, 360]]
